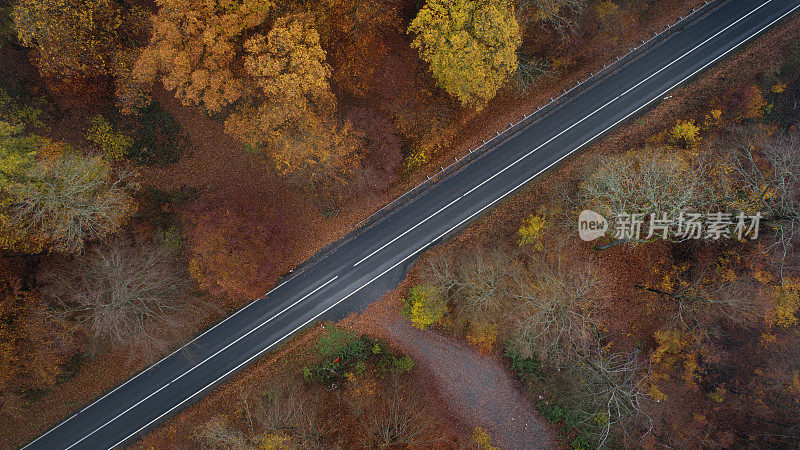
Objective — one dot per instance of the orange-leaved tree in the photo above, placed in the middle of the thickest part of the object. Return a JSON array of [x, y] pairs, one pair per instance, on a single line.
[[72, 38]]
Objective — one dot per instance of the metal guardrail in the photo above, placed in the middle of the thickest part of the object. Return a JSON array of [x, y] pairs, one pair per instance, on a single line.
[[500, 136], [607, 68]]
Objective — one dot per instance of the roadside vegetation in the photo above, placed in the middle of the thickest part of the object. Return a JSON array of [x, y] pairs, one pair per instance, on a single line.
[[648, 341], [334, 389], [162, 163]]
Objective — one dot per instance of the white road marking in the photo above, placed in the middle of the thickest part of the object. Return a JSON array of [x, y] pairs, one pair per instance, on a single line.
[[406, 232], [564, 131], [465, 220], [153, 365], [412, 254], [204, 361], [461, 223]]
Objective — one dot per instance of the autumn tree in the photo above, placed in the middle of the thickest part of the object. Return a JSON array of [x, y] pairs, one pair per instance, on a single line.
[[131, 296], [559, 14], [765, 178], [558, 326], [471, 46], [559, 310], [132, 94], [194, 47], [530, 70], [425, 306], [356, 32], [113, 144], [685, 132], [289, 67], [293, 121], [50, 194], [695, 296], [484, 284], [71, 199], [17, 153], [73, 38], [532, 231], [652, 181], [216, 434], [273, 89], [233, 243], [33, 346], [393, 421], [604, 392]]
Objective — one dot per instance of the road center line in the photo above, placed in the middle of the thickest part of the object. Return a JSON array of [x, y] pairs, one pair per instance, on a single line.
[[196, 338], [462, 222], [439, 237], [561, 133], [205, 360]]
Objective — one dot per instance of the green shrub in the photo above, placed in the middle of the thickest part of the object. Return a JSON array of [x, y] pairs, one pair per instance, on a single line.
[[7, 33], [172, 239], [526, 368], [15, 112], [342, 352], [159, 139], [403, 365], [334, 341]]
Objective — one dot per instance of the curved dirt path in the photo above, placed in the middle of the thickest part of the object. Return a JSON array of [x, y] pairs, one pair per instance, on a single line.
[[478, 389]]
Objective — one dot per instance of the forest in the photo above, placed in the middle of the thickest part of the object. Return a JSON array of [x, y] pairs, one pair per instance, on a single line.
[[164, 162], [652, 340]]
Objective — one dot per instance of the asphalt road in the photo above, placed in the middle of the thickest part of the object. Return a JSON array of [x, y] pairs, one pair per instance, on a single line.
[[374, 260]]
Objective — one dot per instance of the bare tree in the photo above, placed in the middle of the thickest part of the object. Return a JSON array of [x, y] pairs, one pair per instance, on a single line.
[[559, 308], [135, 296], [559, 14], [282, 409], [767, 180], [395, 424], [605, 389], [217, 435], [394, 420], [439, 271], [649, 181], [477, 284], [696, 298], [72, 200], [483, 283], [530, 70]]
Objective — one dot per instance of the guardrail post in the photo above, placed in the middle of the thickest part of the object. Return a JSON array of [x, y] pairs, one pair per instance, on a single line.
[[511, 125]]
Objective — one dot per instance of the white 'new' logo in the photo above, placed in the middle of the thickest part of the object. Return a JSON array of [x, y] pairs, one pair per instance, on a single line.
[[591, 225]]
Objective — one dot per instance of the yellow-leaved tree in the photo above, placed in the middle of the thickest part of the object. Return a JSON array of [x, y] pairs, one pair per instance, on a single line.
[[425, 306], [17, 154], [273, 88], [471, 46], [290, 118], [289, 66], [73, 38]]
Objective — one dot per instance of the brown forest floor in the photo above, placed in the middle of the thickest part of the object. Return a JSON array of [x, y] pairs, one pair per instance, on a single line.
[[463, 388], [478, 388], [219, 165]]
